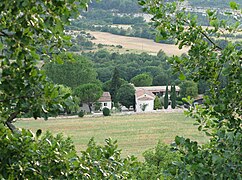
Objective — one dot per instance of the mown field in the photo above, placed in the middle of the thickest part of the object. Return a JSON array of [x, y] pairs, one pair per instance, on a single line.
[[135, 133], [134, 43]]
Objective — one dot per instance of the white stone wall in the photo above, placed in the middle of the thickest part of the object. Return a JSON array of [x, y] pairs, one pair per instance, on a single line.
[[149, 107], [109, 105]]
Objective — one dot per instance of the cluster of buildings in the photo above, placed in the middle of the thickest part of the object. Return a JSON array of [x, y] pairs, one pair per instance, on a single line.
[[144, 98]]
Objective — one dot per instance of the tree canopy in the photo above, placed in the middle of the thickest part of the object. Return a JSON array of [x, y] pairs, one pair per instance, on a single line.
[[143, 79], [88, 93], [31, 32], [126, 95], [220, 116], [74, 71]]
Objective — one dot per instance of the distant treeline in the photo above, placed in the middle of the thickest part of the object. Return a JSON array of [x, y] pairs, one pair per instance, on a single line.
[[212, 3], [130, 65], [122, 6]]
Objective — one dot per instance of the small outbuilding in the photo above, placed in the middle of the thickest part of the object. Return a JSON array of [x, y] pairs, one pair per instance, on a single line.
[[144, 100], [105, 100]]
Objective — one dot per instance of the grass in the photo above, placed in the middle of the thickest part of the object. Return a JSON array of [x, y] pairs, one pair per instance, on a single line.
[[135, 133]]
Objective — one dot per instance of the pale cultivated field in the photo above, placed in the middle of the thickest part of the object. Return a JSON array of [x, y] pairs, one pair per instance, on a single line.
[[135, 133], [134, 43]]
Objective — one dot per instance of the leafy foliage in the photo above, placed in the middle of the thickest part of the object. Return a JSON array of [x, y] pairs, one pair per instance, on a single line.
[[144, 79], [188, 88], [158, 161], [74, 71], [220, 116], [81, 113], [157, 103], [88, 93], [28, 156], [25, 156], [115, 84], [106, 111], [25, 25], [130, 65], [126, 95], [173, 97]]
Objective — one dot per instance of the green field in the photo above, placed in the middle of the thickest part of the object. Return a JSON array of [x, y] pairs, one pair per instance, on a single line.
[[135, 133]]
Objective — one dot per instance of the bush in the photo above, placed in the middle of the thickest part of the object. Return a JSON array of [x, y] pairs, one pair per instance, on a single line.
[[25, 155], [81, 113], [159, 163], [106, 112]]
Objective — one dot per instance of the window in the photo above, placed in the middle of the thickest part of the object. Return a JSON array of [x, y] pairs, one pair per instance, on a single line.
[[105, 104]]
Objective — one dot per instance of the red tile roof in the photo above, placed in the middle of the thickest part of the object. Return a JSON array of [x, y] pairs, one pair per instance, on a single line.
[[142, 92], [106, 97]]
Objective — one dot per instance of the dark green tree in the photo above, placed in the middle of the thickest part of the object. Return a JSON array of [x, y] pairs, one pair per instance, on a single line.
[[74, 71], [143, 79], [88, 93], [115, 85], [161, 79], [126, 95], [31, 32], [188, 88], [157, 103], [173, 96], [166, 99]]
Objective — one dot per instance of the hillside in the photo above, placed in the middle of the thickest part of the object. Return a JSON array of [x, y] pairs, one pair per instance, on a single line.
[[135, 43]]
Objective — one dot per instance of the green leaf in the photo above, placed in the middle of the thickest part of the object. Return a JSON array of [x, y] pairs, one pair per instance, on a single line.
[[182, 77], [1, 46], [234, 5]]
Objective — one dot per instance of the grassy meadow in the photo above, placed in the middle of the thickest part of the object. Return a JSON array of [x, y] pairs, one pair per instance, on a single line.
[[135, 133]]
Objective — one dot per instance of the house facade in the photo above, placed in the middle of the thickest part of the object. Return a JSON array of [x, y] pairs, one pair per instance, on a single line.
[[144, 100], [145, 96], [105, 100]]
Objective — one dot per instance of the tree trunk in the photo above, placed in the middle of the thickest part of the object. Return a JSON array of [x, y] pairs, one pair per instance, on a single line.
[[90, 107]]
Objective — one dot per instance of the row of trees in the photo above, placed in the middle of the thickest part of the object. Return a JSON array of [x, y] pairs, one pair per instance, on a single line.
[[78, 73]]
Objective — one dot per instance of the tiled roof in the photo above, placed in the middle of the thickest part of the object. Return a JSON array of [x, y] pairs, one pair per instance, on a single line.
[[142, 92], [106, 97], [157, 88], [145, 98]]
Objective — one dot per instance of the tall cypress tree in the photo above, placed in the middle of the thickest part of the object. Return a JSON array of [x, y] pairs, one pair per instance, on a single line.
[[166, 103], [115, 85], [173, 97]]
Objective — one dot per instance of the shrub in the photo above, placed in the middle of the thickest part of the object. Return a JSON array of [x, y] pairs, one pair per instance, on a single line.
[[157, 103], [81, 113], [106, 112], [25, 155], [159, 163]]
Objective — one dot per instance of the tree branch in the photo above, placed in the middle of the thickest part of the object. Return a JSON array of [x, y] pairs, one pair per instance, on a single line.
[[2, 33], [10, 120], [210, 40]]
